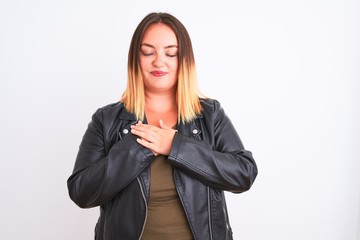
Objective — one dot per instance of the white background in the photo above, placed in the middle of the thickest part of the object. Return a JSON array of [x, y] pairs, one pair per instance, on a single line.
[[286, 72]]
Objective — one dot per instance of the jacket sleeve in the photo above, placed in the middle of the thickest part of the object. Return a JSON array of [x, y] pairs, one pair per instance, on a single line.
[[221, 162], [98, 176]]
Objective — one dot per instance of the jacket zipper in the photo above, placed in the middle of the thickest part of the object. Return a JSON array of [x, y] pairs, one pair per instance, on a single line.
[[209, 208], [198, 124], [182, 203], [146, 207]]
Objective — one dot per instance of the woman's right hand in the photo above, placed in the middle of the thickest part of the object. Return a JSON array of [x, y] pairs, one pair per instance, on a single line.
[[157, 139]]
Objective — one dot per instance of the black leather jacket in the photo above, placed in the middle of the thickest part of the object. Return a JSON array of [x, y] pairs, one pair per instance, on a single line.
[[112, 171]]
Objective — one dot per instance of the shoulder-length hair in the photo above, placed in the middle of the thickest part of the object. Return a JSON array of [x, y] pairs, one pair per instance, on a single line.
[[187, 93]]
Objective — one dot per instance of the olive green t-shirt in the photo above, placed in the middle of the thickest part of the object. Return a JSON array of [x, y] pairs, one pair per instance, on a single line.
[[166, 218]]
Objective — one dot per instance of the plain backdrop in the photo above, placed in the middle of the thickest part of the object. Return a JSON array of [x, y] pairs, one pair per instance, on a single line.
[[286, 72]]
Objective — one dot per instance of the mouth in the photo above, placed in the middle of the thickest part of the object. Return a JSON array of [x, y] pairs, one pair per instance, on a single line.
[[158, 73]]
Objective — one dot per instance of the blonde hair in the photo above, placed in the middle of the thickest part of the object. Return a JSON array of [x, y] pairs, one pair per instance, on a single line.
[[187, 95]]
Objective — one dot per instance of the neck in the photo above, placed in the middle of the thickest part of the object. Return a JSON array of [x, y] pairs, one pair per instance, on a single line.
[[160, 103], [162, 107]]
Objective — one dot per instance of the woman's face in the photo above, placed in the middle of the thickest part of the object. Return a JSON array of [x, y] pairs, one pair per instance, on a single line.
[[159, 59]]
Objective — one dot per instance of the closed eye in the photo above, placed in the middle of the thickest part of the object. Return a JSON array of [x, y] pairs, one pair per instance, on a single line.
[[171, 55], [147, 53]]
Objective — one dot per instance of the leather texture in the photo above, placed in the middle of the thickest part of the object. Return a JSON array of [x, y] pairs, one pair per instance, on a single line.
[[112, 171]]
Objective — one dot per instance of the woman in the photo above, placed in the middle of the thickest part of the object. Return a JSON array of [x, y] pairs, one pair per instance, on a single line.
[[158, 161]]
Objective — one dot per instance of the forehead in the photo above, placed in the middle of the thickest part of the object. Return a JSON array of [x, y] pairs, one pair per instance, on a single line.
[[159, 35]]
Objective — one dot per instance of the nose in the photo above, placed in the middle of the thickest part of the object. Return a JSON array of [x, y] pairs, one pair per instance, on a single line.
[[158, 60]]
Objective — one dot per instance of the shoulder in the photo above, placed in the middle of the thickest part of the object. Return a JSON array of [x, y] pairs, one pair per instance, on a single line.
[[116, 106], [112, 111], [213, 111], [109, 108], [210, 105], [107, 118]]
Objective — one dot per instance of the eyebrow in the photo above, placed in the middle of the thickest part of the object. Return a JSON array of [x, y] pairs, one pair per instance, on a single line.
[[149, 45]]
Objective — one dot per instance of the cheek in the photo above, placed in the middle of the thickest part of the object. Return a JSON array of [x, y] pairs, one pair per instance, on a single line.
[[145, 62], [142, 63], [174, 66]]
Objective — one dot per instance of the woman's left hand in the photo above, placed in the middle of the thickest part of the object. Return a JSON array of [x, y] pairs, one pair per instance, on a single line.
[[158, 140]]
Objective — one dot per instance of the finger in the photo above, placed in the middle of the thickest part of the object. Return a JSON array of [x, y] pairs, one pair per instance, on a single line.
[[146, 144], [145, 127], [143, 142], [140, 128], [148, 136]]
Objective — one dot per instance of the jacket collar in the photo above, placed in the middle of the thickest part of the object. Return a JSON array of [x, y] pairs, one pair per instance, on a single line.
[[126, 115]]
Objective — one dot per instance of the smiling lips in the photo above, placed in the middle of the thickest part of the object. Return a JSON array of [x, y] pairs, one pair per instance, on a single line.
[[158, 73]]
